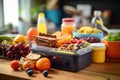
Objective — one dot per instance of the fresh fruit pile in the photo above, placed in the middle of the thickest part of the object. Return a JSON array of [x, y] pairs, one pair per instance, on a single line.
[[43, 64], [14, 48], [17, 51], [113, 37], [90, 39]]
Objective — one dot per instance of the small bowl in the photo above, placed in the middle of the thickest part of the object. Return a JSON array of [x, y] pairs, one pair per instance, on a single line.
[[97, 35], [113, 50]]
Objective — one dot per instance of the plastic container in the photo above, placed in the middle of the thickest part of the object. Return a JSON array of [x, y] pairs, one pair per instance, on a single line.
[[113, 50], [99, 52], [41, 24], [63, 61], [68, 25]]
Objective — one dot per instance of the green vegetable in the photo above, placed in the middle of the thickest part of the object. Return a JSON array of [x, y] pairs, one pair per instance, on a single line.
[[4, 37], [113, 37]]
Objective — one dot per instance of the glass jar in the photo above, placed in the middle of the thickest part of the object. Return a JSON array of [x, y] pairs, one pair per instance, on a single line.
[[98, 54], [68, 25]]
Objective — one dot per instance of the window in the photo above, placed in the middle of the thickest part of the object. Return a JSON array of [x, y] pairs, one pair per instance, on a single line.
[[10, 11], [1, 14]]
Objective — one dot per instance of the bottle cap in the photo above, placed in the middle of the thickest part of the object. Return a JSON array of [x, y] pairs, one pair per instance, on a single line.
[[68, 20], [97, 13], [41, 14]]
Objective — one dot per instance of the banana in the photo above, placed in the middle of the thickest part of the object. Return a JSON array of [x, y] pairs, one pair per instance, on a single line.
[[95, 30], [88, 30], [81, 30], [4, 37]]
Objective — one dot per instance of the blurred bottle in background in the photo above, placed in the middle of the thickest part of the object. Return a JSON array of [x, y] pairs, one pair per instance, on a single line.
[[97, 21]]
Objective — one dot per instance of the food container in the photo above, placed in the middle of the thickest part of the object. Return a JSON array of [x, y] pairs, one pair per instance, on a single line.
[[99, 51], [97, 35], [64, 61], [113, 50]]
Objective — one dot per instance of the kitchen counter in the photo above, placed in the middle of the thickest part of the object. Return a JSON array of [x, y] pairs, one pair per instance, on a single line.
[[103, 71]]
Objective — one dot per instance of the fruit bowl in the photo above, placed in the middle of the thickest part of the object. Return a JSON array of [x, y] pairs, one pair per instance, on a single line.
[[80, 35], [65, 60], [113, 50]]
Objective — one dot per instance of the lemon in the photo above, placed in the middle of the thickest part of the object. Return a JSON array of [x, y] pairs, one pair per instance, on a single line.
[[19, 39]]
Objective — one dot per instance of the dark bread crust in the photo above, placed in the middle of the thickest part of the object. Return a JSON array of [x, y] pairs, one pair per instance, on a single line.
[[47, 40]]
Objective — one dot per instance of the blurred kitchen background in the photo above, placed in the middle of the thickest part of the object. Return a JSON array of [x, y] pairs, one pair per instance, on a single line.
[[16, 16]]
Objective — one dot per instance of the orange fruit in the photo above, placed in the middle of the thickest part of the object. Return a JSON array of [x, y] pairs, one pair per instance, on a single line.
[[43, 64], [28, 64], [19, 39], [63, 40], [14, 64], [31, 33]]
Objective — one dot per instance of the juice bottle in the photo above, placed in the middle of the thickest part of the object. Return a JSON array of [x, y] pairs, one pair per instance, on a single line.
[[41, 25], [68, 25]]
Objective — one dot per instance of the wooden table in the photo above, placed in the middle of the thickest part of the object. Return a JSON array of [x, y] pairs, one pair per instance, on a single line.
[[104, 71]]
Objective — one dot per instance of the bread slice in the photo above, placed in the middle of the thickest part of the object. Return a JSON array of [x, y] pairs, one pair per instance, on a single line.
[[46, 40], [33, 56]]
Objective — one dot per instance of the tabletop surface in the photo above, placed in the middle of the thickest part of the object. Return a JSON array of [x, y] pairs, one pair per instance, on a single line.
[[102, 71]]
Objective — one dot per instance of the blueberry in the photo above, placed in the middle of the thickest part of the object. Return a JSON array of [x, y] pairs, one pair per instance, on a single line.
[[27, 69], [30, 72], [45, 73]]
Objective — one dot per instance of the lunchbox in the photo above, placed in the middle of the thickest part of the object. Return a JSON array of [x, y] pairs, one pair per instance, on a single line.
[[69, 62]]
